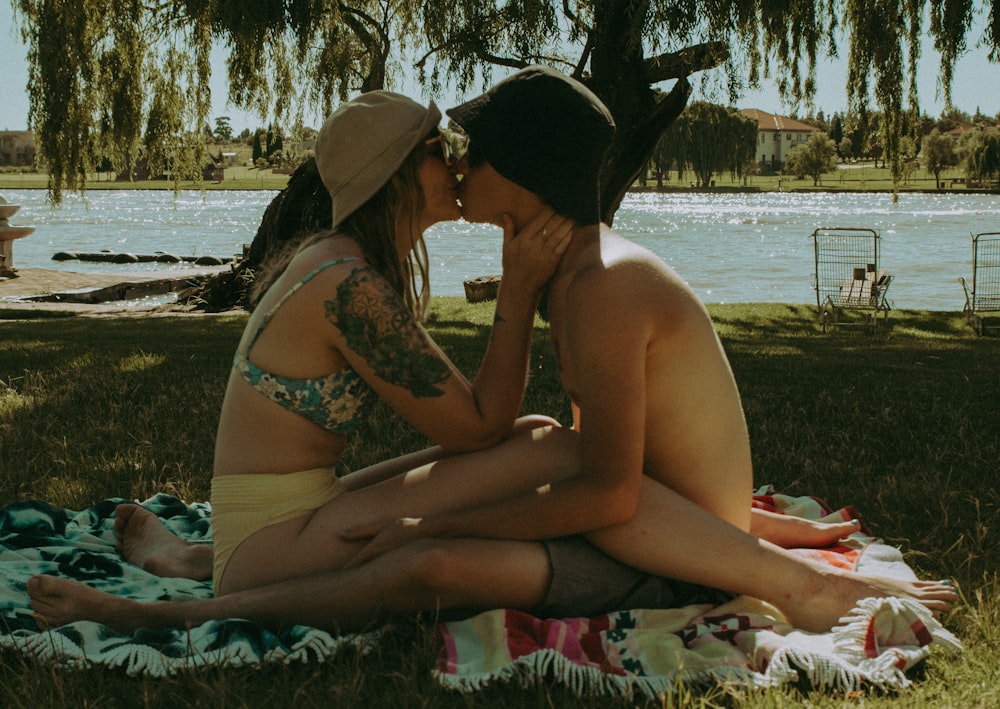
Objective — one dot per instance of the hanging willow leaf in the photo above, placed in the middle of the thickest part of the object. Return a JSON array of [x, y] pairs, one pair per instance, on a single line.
[[104, 71]]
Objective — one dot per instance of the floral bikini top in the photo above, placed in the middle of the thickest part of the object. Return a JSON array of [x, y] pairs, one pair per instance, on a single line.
[[338, 402]]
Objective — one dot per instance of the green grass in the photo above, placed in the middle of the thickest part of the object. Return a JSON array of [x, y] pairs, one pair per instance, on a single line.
[[237, 178], [902, 424], [860, 178], [846, 178]]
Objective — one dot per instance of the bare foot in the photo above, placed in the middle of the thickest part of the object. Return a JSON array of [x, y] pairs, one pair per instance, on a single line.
[[838, 592], [796, 532], [144, 541], [58, 601]]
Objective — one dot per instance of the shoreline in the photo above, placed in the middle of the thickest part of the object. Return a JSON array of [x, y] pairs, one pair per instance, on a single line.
[[40, 292], [36, 282], [862, 177], [637, 189]]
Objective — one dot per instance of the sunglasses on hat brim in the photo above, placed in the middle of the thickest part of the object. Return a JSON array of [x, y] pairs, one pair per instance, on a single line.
[[454, 145]]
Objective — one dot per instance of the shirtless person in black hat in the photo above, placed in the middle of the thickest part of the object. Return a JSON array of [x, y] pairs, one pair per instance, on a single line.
[[662, 478]]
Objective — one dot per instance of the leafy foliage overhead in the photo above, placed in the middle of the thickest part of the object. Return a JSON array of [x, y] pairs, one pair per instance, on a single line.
[[107, 76]]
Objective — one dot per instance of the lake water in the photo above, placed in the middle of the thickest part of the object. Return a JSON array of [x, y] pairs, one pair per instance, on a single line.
[[729, 247]]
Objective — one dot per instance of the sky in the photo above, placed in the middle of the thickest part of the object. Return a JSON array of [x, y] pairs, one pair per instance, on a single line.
[[977, 85]]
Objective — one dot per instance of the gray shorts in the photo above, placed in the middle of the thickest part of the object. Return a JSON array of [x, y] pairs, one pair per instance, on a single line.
[[587, 582]]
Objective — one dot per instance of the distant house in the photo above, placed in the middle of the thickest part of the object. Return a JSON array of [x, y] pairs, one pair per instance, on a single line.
[[957, 133], [776, 135], [17, 148]]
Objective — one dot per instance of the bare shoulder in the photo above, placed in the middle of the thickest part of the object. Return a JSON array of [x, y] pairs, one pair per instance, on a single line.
[[623, 279], [331, 280], [334, 256], [325, 261]]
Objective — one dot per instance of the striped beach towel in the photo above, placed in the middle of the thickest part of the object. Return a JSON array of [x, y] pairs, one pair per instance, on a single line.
[[744, 643]]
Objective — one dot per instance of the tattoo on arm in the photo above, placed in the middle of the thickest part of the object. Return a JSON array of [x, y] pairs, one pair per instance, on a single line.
[[377, 325]]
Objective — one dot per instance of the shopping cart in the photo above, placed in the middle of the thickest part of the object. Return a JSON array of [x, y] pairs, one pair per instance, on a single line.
[[848, 276], [983, 294]]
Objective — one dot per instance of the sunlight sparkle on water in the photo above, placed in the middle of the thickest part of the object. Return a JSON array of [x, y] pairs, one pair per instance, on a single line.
[[731, 247]]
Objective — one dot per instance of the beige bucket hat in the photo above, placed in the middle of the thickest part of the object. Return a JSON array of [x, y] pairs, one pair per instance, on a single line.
[[365, 141]]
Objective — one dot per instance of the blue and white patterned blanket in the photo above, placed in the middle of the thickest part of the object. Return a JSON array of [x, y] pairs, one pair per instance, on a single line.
[[36, 538]]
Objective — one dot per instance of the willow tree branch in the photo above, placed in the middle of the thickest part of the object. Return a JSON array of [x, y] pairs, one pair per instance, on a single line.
[[685, 62], [588, 49]]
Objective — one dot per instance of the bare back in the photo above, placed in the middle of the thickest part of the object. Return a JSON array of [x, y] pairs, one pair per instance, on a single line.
[[628, 330]]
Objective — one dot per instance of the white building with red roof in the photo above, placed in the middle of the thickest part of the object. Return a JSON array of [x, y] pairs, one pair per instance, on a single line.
[[776, 135]]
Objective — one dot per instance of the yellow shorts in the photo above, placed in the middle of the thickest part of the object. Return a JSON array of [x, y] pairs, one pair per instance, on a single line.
[[244, 504]]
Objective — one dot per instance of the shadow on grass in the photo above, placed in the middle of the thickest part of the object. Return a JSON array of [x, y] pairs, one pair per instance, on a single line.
[[97, 407], [129, 406], [902, 426]]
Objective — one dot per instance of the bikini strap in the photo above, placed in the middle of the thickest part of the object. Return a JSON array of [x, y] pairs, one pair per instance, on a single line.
[[290, 292]]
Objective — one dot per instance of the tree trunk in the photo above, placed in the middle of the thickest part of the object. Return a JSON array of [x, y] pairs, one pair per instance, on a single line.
[[623, 77], [619, 76], [637, 135]]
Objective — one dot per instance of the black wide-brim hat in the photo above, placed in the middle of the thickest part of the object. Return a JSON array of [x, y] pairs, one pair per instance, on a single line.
[[545, 132]]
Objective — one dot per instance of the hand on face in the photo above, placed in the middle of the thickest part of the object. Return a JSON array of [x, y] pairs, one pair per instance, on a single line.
[[531, 254]]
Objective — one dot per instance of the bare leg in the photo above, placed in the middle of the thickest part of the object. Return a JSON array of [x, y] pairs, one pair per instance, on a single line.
[[694, 546], [311, 544], [671, 536], [387, 469], [426, 576], [145, 542], [790, 532]]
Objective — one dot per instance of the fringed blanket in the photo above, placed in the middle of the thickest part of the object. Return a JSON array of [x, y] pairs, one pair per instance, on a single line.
[[38, 539], [743, 643]]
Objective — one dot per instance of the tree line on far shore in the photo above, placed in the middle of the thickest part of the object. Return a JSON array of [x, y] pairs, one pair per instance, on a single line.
[[710, 140]]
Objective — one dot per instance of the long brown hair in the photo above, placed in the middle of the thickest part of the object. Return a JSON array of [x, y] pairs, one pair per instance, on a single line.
[[372, 221], [373, 227]]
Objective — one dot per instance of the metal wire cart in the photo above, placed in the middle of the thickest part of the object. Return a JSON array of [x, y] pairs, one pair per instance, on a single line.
[[983, 295], [849, 277]]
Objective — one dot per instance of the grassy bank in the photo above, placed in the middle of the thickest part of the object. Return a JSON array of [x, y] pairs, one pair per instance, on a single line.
[[236, 178], [902, 425], [847, 178]]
